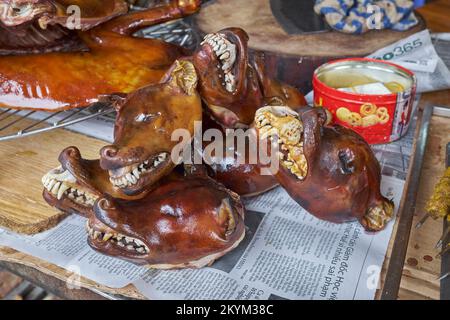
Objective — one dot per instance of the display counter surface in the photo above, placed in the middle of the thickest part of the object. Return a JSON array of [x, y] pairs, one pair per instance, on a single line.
[[24, 161]]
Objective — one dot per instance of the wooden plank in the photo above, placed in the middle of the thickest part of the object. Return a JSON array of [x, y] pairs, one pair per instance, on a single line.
[[23, 162], [57, 279], [422, 268], [406, 209]]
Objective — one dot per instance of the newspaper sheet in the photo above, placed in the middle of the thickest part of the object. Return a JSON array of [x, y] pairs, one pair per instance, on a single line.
[[418, 54], [286, 254]]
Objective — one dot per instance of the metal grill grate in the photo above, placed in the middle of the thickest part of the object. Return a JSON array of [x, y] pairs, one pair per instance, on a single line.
[[17, 123]]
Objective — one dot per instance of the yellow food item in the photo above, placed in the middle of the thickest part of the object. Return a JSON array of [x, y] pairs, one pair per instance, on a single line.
[[394, 87], [338, 79], [383, 115], [439, 204], [343, 114], [355, 119], [345, 79], [368, 109], [370, 120]]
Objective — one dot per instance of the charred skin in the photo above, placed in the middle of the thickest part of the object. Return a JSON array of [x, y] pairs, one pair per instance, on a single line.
[[77, 183], [243, 178], [146, 120], [329, 170], [99, 63], [187, 222], [232, 84]]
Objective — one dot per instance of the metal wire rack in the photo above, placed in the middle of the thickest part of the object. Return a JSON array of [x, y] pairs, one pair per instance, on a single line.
[[21, 123]]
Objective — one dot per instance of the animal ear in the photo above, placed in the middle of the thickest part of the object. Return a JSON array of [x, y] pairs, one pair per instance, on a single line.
[[182, 74]]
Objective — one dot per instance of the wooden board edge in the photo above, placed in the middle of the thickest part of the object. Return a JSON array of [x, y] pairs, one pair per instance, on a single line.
[[30, 229], [12, 256], [405, 213]]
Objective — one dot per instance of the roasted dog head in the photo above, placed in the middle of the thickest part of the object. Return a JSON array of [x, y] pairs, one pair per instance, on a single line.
[[329, 170], [17, 12], [42, 26], [50, 12], [76, 184], [233, 84], [187, 222], [141, 153], [227, 83]]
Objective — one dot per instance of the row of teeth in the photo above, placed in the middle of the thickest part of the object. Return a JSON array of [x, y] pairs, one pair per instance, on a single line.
[[131, 244], [136, 171], [226, 52], [61, 188], [289, 141]]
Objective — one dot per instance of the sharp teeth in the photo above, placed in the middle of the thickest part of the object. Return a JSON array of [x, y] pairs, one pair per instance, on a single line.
[[107, 236], [128, 239], [226, 55], [64, 188], [140, 250], [120, 244], [42, 23], [51, 184], [56, 187], [96, 234], [130, 247], [136, 173], [131, 178]]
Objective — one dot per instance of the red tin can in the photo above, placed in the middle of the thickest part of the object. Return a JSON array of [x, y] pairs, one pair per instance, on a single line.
[[373, 97]]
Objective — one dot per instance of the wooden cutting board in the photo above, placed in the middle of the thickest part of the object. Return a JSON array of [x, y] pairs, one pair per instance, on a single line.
[[23, 162], [291, 58]]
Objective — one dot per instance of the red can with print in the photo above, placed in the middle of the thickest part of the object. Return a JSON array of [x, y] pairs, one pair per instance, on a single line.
[[372, 97]]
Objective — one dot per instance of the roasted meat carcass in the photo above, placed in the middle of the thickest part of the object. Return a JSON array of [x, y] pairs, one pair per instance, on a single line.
[[46, 66], [328, 169]]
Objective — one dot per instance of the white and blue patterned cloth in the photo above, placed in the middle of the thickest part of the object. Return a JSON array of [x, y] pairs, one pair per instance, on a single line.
[[360, 16]]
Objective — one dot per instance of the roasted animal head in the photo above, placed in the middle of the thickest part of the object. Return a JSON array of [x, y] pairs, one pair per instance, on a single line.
[[14, 13], [141, 153], [71, 186], [187, 222], [43, 26], [329, 170], [225, 77], [76, 184]]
